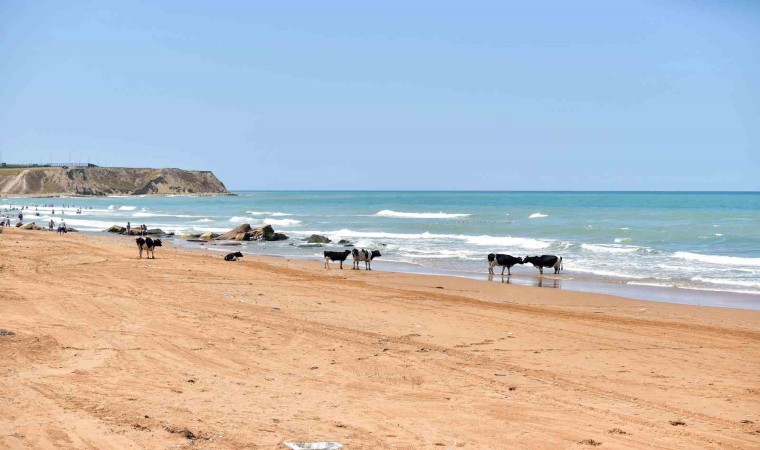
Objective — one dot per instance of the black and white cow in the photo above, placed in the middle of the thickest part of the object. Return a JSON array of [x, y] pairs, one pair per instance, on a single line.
[[149, 245], [367, 256], [544, 261], [336, 256], [505, 261], [233, 256]]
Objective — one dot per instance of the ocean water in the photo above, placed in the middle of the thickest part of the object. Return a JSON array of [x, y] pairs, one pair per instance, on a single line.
[[703, 241]]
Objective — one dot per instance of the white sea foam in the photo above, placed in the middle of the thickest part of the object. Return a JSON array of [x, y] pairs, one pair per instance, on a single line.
[[239, 219], [718, 259], [127, 208], [727, 281], [484, 240], [506, 242], [412, 215], [537, 215], [619, 240], [148, 214], [282, 222], [267, 213], [204, 220], [609, 248]]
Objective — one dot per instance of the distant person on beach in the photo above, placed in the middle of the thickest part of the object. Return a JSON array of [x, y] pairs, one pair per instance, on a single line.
[[20, 217], [51, 225], [129, 227], [62, 227]]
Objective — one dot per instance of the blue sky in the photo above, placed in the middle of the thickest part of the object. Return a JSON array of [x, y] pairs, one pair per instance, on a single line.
[[495, 95]]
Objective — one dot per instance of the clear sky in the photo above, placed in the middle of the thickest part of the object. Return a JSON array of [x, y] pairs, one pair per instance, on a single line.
[[475, 95]]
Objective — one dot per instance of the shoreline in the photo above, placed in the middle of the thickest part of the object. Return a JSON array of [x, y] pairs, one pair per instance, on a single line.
[[111, 351], [677, 295]]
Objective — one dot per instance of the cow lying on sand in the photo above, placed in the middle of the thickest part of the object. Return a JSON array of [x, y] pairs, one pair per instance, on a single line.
[[233, 256], [336, 256], [367, 256], [505, 261], [544, 261], [149, 245]]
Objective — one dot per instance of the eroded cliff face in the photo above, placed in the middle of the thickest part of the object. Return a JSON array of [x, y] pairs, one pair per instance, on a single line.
[[108, 181]]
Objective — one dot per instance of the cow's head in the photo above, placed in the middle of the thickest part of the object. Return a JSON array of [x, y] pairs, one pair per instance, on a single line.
[[238, 254], [157, 242], [346, 252], [375, 254]]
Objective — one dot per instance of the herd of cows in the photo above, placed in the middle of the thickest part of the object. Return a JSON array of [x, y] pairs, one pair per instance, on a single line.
[[362, 255], [494, 260]]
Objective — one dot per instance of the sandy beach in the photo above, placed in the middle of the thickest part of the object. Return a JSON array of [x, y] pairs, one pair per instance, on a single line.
[[187, 350]]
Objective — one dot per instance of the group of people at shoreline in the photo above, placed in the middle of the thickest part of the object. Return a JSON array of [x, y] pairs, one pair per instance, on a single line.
[[5, 221]]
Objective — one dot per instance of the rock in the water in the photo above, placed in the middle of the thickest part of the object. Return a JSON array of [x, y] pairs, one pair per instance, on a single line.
[[246, 233], [244, 228], [344, 242], [317, 239], [188, 237], [209, 235], [116, 229], [19, 224]]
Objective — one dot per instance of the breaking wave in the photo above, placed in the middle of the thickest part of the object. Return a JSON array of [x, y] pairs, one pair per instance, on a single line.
[[537, 215], [727, 282], [717, 259], [282, 222], [267, 213], [411, 215]]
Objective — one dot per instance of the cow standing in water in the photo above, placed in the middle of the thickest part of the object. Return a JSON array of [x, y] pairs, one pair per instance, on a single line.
[[544, 261], [505, 261]]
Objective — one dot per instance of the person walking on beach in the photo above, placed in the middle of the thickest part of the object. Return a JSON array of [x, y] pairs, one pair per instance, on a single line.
[[51, 225], [129, 228]]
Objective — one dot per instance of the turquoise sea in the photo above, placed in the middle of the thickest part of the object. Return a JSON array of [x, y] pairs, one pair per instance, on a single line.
[[698, 240]]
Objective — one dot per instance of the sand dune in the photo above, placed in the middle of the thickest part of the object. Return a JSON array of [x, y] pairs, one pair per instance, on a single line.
[[190, 351]]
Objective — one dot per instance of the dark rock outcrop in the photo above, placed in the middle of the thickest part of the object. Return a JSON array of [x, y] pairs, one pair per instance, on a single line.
[[317, 239], [244, 232]]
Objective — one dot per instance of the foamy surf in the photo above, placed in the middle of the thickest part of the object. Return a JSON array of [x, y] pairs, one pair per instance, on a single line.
[[537, 215], [718, 259], [414, 215]]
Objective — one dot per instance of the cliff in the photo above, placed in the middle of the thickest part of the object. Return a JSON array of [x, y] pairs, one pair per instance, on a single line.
[[50, 181]]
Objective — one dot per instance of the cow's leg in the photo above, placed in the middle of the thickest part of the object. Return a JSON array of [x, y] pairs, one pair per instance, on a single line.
[[502, 270], [509, 271], [541, 269], [326, 264], [341, 264]]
